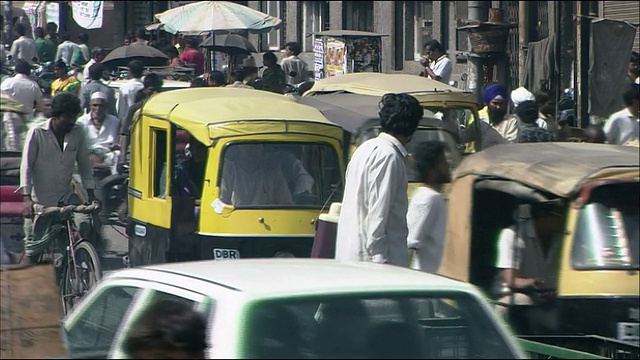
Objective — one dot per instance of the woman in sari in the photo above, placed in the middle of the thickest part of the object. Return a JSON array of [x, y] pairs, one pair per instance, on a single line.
[[63, 81]]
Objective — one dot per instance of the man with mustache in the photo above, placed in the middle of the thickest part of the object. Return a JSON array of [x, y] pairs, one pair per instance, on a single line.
[[50, 153], [494, 96]]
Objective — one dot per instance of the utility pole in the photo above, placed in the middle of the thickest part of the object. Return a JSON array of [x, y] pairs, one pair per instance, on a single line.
[[582, 64], [523, 38]]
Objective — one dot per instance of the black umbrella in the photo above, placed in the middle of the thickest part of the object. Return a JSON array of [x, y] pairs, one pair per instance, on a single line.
[[232, 44], [149, 56]]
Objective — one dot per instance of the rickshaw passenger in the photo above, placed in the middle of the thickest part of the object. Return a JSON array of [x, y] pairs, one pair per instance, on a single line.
[[296, 176], [190, 173], [534, 265], [247, 180]]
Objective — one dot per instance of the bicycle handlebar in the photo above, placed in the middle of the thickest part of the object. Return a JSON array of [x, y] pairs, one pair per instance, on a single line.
[[83, 209]]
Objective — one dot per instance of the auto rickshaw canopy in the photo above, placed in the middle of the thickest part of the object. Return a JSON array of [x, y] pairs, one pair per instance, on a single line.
[[378, 84], [354, 112], [209, 114], [558, 168]]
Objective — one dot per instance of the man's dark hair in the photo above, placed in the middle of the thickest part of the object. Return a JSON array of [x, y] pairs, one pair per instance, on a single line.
[[631, 93], [153, 81], [95, 71], [218, 77], [426, 155], [130, 36], [51, 27], [136, 68], [295, 48], [65, 103], [141, 33], [97, 51], [237, 75], [635, 57], [64, 36], [400, 114], [168, 325], [84, 38], [542, 97], [434, 44], [270, 56], [198, 82], [38, 32], [20, 29], [527, 111], [60, 64], [23, 67]]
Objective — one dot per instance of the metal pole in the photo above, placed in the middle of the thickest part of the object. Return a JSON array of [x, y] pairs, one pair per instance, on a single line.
[[523, 39], [582, 65]]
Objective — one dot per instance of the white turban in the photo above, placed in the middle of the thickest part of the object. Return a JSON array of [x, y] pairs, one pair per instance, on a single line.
[[520, 95], [99, 95]]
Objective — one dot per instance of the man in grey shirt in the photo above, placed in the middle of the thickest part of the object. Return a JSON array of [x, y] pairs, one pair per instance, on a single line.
[[50, 153]]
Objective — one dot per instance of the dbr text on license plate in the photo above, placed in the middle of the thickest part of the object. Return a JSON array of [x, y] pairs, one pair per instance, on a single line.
[[226, 254]]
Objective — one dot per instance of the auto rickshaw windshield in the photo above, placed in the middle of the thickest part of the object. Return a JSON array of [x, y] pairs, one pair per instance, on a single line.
[[606, 234], [279, 174]]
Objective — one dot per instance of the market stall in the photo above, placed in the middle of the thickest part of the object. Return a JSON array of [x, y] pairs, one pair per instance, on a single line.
[[339, 52]]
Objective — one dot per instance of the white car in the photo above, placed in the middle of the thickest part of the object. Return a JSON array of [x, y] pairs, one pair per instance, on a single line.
[[299, 308]]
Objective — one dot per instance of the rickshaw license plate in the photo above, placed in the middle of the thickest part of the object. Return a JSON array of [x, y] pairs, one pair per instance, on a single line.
[[629, 331], [226, 254]]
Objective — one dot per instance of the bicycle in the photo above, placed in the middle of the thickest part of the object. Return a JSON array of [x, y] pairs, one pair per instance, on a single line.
[[78, 269]]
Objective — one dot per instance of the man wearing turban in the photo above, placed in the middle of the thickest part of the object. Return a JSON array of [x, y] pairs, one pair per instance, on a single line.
[[494, 96]]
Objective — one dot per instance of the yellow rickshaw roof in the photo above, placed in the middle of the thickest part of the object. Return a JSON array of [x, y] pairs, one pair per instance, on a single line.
[[209, 113], [378, 84], [558, 168]]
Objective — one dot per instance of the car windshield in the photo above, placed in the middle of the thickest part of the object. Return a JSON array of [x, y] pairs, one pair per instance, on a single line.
[[606, 234], [441, 326], [279, 174]]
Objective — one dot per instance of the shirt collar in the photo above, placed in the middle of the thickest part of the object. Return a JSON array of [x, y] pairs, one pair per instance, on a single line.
[[629, 114], [395, 142], [21, 76], [440, 58]]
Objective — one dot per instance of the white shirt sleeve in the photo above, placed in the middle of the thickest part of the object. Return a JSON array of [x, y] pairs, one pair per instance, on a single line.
[[382, 176], [506, 242], [611, 130]]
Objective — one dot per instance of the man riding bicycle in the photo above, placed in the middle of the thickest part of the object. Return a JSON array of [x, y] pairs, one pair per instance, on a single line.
[[51, 150]]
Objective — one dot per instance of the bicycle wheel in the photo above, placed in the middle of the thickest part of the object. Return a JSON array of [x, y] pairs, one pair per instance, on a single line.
[[76, 284]]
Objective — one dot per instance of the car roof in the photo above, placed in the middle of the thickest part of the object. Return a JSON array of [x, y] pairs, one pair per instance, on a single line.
[[166, 84], [274, 277]]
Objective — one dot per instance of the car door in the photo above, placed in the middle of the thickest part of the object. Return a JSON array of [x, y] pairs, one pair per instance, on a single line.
[[156, 292], [90, 330]]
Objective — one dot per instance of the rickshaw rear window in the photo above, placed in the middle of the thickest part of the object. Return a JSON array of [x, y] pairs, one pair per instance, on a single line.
[[279, 174], [607, 230], [380, 326]]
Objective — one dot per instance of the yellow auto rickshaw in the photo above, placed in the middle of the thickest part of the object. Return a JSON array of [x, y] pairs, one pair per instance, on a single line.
[[588, 234], [351, 101], [263, 167]]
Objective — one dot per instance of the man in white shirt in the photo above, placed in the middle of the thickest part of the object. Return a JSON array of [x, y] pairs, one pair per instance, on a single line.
[[437, 65], [127, 93], [23, 47], [65, 49], [50, 153], [427, 214], [97, 55], [373, 220], [102, 131], [27, 92], [295, 69], [623, 127]]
